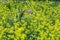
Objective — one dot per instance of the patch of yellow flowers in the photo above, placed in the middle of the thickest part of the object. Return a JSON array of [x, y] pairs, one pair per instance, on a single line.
[[42, 24]]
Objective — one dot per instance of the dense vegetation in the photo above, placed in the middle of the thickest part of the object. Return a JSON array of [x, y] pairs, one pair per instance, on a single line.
[[41, 23]]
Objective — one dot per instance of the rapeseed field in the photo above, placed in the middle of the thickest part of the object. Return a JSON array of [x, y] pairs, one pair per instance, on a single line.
[[29, 20]]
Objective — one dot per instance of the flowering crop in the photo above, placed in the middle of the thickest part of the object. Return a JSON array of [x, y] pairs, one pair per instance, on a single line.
[[29, 20]]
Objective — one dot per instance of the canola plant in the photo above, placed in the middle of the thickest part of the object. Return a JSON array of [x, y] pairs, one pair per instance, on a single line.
[[29, 20]]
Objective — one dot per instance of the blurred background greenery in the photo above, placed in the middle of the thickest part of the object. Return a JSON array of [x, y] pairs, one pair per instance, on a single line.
[[18, 24]]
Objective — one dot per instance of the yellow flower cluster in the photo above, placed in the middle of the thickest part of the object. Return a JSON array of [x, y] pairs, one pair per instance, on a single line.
[[17, 24]]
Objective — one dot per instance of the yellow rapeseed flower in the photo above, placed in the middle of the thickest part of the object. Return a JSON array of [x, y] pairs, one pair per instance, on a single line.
[[18, 32], [23, 36]]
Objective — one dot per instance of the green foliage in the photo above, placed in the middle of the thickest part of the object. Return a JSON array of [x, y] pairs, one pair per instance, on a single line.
[[18, 24]]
